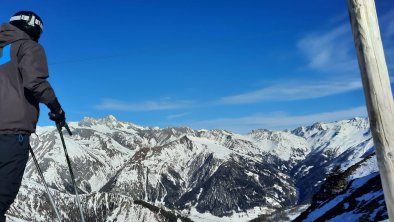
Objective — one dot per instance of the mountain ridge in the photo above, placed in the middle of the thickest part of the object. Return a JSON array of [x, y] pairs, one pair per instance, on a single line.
[[196, 172]]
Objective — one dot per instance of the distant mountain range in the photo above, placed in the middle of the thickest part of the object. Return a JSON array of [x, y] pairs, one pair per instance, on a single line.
[[125, 172]]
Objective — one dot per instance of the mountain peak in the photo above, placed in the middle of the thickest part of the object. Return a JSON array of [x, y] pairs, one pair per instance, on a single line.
[[110, 118], [109, 121], [89, 121]]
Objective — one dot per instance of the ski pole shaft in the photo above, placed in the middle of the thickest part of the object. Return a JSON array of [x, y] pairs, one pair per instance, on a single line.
[[59, 128], [45, 184], [68, 129]]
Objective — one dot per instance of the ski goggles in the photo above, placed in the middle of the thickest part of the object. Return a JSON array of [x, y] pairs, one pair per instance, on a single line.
[[32, 21]]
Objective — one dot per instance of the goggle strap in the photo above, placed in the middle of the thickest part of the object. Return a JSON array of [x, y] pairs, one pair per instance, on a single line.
[[32, 21]]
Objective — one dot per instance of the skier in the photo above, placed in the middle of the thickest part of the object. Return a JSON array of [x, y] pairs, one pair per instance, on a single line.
[[23, 85]]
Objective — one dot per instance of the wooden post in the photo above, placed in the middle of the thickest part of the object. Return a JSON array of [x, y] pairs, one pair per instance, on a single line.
[[377, 90]]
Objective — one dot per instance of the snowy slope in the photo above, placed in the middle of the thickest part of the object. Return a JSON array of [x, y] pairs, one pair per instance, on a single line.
[[352, 195], [96, 156], [32, 204], [332, 144], [190, 171], [125, 171]]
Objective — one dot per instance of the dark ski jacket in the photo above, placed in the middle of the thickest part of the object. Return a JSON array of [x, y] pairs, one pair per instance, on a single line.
[[23, 84]]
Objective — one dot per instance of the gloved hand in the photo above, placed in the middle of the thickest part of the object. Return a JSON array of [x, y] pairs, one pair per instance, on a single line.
[[59, 117], [57, 114]]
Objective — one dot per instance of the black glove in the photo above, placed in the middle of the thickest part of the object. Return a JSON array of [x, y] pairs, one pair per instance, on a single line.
[[57, 114]]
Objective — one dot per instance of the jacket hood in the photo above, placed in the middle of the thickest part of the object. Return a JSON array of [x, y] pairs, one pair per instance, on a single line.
[[10, 34]]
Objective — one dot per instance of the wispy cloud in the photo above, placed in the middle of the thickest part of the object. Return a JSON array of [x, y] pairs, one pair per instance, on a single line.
[[277, 121], [176, 116], [330, 51], [294, 91], [333, 50], [165, 104], [387, 27]]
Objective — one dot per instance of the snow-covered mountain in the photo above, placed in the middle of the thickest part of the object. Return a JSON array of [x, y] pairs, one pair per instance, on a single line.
[[351, 194], [127, 172]]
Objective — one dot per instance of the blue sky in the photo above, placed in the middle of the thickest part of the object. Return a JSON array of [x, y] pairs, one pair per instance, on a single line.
[[236, 65]]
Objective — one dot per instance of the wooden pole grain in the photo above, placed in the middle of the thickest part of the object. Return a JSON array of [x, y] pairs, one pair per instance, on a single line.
[[377, 90]]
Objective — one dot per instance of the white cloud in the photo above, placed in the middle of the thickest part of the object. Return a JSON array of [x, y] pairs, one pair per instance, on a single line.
[[176, 116], [144, 106], [294, 91], [277, 121], [330, 51]]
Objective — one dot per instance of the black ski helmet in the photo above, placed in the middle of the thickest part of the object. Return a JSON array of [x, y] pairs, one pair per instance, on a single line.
[[28, 22]]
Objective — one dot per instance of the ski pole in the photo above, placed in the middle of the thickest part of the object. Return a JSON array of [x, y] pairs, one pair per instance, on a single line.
[[45, 184], [59, 128]]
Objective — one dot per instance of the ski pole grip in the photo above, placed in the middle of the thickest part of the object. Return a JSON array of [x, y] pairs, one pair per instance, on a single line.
[[59, 128]]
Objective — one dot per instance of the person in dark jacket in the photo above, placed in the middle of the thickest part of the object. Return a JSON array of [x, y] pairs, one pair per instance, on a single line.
[[23, 85]]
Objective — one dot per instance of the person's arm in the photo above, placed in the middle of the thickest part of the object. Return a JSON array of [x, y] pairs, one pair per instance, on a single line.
[[34, 70]]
